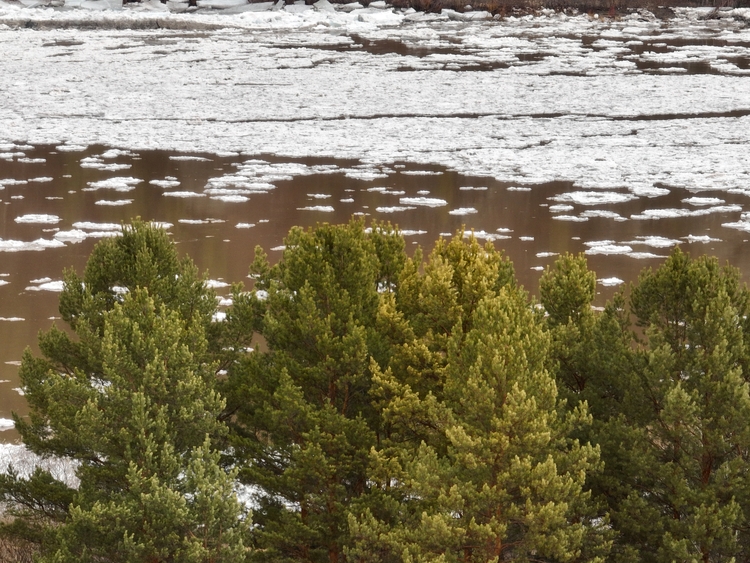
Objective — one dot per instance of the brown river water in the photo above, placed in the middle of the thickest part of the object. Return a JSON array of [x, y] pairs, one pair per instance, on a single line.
[[519, 220]]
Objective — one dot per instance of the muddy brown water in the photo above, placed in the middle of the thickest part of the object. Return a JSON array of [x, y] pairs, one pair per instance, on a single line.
[[225, 251]]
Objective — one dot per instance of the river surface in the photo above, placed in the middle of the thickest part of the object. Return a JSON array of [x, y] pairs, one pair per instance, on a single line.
[[618, 138]]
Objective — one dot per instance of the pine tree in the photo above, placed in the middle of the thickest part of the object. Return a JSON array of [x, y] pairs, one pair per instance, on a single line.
[[303, 419], [495, 476], [131, 402], [676, 454]]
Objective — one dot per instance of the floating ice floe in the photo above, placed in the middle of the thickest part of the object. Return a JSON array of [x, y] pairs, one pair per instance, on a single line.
[[412, 232], [423, 201], [394, 209], [655, 241], [602, 213], [676, 213], [473, 188], [12, 319], [36, 245], [321, 208], [244, 225], [319, 196], [215, 284], [191, 194], [91, 226], [462, 211], [38, 218], [114, 202], [571, 218], [6, 424], [166, 184], [119, 184], [519, 189], [41, 179], [526, 239], [546, 254], [71, 148], [703, 201], [610, 282], [231, 198], [607, 247], [560, 208], [56, 286], [73, 236], [701, 238], [420, 173], [593, 198], [188, 158]]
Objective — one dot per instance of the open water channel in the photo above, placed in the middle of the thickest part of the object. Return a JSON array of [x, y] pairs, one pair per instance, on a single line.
[[621, 138]]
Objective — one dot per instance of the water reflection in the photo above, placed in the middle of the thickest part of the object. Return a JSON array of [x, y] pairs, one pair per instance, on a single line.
[[531, 223]]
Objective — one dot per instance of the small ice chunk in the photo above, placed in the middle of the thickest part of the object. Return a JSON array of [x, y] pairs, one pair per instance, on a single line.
[[593, 198], [89, 226], [114, 202], [12, 320], [394, 209], [166, 184], [420, 172], [319, 196], [462, 211], [244, 225], [20, 246], [560, 208], [189, 194], [55, 286], [546, 254], [7, 423], [321, 208], [701, 238], [215, 284], [423, 201], [610, 282], [526, 239], [73, 236], [700, 201], [229, 198], [37, 218], [119, 184], [472, 188], [519, 189], [607, 247]]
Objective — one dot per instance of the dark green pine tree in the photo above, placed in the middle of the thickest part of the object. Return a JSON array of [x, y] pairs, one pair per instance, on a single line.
[[303, 419], [673, 425], [129, 400]]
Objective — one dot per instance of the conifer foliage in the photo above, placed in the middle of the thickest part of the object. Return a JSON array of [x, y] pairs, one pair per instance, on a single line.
[[390, 410], [130, 401]]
